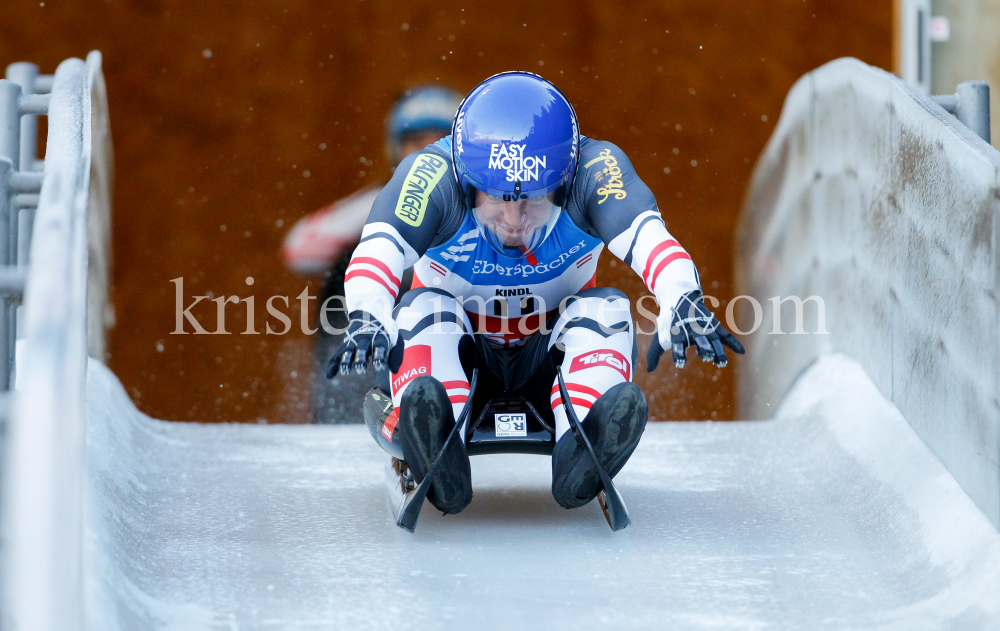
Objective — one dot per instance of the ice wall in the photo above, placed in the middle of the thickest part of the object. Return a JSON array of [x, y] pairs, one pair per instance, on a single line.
[[878, 201]]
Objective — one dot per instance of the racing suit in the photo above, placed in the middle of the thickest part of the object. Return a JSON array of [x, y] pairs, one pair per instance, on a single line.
[[514, 319]]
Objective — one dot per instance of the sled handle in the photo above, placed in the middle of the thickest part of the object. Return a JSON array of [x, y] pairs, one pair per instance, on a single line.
[[614, 507]]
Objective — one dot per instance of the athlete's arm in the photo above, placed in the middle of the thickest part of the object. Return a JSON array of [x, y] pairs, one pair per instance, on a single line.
[[622, 209], [404, 220]]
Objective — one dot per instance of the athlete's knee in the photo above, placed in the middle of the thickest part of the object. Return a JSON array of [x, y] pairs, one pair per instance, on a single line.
[[594, 314], [428, 308], [600, 304], [604, 293], [421, 297]]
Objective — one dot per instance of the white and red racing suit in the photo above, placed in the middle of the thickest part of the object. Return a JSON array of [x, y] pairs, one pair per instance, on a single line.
[[525, 315]]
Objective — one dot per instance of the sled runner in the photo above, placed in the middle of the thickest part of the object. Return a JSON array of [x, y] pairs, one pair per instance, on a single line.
[[505, 425]]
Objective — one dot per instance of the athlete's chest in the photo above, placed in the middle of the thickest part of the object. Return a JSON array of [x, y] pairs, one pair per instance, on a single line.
[[467, 267]]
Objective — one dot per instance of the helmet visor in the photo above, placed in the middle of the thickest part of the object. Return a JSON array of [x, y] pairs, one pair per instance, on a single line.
[[515, 227]]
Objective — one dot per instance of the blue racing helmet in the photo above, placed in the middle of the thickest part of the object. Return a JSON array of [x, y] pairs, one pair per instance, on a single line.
[[515, 141], [420, 109]]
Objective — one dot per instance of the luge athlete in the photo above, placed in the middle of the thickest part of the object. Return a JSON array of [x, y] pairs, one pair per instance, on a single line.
[[503, 223]]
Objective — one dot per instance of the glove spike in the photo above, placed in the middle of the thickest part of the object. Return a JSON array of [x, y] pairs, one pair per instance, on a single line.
[[693, 323], [365, 339]]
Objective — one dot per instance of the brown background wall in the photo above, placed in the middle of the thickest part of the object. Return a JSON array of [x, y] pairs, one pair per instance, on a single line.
[[221, 112]]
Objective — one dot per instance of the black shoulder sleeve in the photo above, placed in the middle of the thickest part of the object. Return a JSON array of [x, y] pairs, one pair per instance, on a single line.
[[421, 200], [607, 193]]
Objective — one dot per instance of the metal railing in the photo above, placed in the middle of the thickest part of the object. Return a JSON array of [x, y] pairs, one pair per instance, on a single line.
[[22, 100], [970, 105], [44, 463]]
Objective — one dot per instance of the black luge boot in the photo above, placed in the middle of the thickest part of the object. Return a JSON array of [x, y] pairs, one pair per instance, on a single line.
[[614, 426], [425, 420]]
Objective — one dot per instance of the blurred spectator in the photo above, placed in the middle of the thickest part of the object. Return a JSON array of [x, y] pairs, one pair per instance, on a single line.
[[321, 243], [421, 116]]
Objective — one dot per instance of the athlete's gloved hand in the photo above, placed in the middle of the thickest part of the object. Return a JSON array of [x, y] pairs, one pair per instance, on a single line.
[[365, 340], [694, 324]]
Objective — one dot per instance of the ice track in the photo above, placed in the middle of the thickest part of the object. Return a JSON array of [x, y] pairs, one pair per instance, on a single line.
[[832, 516]]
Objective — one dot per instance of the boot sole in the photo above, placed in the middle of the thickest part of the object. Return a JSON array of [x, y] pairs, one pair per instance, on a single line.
[[425, 420], [616, 423]]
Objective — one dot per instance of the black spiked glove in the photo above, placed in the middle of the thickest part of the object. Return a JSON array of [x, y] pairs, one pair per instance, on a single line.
[[694, 324], [365, 340]]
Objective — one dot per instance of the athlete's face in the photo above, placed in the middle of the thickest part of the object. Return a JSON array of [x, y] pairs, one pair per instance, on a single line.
[[514, 222]]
